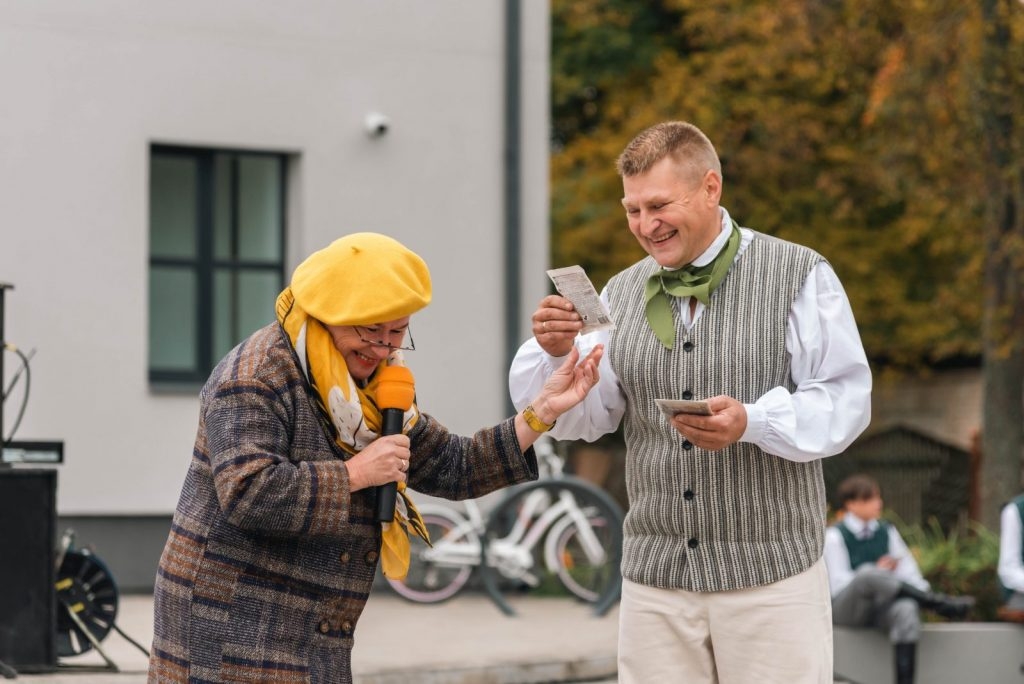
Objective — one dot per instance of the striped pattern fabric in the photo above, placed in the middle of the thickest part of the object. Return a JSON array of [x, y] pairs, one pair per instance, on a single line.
[[714, 520], [270, 558]]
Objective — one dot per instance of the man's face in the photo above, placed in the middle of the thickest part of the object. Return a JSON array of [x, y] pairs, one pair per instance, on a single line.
[[364, 347], [674, 218]]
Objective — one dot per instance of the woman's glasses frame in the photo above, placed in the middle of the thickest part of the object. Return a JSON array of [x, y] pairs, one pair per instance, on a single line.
[[365, 336]]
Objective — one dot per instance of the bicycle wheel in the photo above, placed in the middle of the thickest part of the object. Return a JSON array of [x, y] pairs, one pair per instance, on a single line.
[[512, 556], [439, 573], [579, 571]]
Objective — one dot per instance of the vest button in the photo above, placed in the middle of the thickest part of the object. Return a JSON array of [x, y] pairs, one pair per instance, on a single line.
[[687, 395], [346, 627], [692, 543], [345, 557], [325, 627], [371, 557], [687, 444], [687, 346], [688, 495]]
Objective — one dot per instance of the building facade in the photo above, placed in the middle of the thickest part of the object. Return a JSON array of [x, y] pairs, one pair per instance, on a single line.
[[165, 166]]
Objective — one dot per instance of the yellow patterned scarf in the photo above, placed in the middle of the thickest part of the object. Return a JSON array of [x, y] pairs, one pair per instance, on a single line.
[[355, 416]]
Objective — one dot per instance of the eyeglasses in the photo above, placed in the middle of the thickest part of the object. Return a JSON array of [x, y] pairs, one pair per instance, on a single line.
[[374, 338]]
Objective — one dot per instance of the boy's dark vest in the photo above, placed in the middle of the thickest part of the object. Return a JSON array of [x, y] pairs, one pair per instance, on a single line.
[[866, 550]]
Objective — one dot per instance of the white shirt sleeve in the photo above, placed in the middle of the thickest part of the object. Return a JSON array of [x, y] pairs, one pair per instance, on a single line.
[[1011, 569], [831, 404], [907, 570], [602, 409], [829, 408], [837, 561]]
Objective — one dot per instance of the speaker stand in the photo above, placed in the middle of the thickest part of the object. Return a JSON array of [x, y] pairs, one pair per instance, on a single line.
[[7, 671]]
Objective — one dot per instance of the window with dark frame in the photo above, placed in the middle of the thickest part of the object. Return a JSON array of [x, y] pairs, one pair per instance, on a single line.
[[216, 254]]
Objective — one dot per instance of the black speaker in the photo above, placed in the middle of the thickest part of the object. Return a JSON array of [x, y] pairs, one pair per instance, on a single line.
[[28, 600]]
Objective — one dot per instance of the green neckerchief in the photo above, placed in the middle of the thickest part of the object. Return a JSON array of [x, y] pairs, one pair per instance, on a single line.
[[695, 281]]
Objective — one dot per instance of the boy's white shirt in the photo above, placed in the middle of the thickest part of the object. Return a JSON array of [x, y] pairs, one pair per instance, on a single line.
[[1011, 568], [837, 557]]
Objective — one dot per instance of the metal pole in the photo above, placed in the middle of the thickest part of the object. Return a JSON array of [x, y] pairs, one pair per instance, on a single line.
[[3, 289], [6, 670], [513, 246]]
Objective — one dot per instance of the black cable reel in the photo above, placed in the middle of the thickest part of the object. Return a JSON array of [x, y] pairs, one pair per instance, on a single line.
[[87, 597]]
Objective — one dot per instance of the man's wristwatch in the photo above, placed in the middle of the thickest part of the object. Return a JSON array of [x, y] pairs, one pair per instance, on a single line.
[[535, 423]]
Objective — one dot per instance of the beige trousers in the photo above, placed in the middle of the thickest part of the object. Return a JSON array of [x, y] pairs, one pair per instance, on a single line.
[[776, 634]]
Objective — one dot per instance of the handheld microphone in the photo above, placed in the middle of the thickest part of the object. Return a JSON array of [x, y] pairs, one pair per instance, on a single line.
[[395, 394]]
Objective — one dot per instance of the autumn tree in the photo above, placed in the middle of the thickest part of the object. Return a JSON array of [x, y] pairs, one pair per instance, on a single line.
[[881, 133]]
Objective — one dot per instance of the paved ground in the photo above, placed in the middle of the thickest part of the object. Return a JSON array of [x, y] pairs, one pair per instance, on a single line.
[[466, 640]]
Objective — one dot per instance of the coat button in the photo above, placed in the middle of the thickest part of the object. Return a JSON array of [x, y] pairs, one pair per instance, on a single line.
[[688, 495], [687, 444], [687, 395], [371, 557], [345, 557], [325, 627], [692, 543], [687, 346]]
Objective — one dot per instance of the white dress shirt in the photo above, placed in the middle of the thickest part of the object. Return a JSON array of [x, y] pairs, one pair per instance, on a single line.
[[1011, 569], [830, 406], [837, 556]]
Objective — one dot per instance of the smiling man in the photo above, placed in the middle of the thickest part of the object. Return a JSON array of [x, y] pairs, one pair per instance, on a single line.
[[723, 578]]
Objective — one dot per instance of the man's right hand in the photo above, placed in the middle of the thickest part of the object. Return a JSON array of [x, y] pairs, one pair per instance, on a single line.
[[556, 324]]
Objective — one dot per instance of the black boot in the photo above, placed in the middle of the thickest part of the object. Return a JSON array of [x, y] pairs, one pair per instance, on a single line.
[[952, 607], [906, 657]]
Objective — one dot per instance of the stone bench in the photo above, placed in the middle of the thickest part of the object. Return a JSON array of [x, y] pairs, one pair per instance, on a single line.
[[948, 653]]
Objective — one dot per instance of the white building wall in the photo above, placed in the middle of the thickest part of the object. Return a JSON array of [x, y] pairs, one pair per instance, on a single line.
[[86, 87]]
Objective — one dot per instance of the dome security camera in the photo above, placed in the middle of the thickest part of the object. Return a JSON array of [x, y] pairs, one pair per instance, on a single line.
[[376, 124]]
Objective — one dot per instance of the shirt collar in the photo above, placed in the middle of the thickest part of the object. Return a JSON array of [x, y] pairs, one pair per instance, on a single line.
[[857, 526]]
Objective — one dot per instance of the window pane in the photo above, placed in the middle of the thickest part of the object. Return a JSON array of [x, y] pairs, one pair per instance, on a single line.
[[222, 207], [172, 206], [223, 319], [257, 296], [254, 294], [172, 319], [259, 207]]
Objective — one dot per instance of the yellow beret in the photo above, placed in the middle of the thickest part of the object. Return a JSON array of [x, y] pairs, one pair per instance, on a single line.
[[362, 279]]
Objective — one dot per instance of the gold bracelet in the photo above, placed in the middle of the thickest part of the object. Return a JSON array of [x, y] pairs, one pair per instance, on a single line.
[[534, 421]]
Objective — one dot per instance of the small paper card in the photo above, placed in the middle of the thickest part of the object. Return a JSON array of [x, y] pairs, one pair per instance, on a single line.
[[671, 407], [573, 284]]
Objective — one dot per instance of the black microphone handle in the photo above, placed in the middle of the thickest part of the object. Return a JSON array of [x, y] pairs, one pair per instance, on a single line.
[[392, 419]]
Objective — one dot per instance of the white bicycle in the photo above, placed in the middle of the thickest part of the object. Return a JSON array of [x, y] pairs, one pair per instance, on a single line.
[[562, 525]]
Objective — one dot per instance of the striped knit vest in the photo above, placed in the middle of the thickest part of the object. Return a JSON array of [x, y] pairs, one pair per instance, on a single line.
[[714, 520]]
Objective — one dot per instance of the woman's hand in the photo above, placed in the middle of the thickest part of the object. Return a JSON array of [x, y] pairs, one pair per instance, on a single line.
[[568, 385], [384, 460]]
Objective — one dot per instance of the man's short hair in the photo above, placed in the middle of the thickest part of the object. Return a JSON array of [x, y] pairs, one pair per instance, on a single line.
[[857, 488], [684, 142]]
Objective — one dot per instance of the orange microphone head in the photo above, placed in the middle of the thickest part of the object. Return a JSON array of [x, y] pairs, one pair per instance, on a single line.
[[395, 388]]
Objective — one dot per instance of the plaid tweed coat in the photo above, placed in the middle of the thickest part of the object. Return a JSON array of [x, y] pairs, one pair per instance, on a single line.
[[270, 557]]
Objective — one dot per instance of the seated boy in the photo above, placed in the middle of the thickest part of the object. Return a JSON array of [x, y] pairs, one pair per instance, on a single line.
[[873, 577], [1011, 559]]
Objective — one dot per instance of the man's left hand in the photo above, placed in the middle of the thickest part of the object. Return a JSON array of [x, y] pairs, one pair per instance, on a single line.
[[724, 427]]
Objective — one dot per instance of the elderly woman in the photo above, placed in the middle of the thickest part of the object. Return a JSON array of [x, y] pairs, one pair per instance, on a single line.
[[274, 544]]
